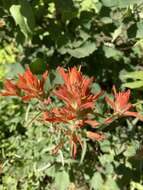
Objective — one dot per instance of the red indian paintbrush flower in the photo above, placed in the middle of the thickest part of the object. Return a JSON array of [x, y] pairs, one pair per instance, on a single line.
[[31, 85], [28, 83], [120, 105], [75, 91], [10, 89]]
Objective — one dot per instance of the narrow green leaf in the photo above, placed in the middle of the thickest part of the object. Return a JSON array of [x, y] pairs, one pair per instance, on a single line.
[[83, 151]]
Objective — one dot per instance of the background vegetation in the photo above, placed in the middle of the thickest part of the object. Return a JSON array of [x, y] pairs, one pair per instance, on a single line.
[[105, 37]]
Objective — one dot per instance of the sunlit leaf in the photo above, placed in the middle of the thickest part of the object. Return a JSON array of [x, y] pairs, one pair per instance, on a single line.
[[136, 84], [139, 29], [62, 180], [96, 181], [23, 16], [134, 75], [84, 50]]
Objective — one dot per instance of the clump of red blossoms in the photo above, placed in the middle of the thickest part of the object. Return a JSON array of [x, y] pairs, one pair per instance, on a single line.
[[79, 104], [28, 84], [121, 106], [10, 89], [78, 109]]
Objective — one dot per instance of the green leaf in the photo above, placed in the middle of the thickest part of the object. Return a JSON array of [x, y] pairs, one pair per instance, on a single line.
[[87, 5], [84, 50], [112, 52], [123, 3], [96, 181], [23, 16], [62, 180], [10, 182], [109, 169], [105, 146], [132, 85], [131, 149], [138, 48], [137, 76], [117, 33], [120, 3], [106, 158], [66, 9], [111, 183], [14, 70], [139, 29], [84, 149], [51, 171], [109, 3], [106, 20], [136, 186], [134, 75]]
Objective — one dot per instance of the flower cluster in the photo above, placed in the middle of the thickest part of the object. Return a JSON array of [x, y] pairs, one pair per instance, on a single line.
[[121, 106], [78, 110], [28, 84]]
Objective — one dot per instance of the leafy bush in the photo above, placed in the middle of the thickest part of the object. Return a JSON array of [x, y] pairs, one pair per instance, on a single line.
[[90, 33]]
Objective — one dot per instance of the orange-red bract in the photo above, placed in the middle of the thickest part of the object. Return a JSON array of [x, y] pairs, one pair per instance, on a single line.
[[10, 89], [58, 115], [31, 85], [75, 91], [120, 105]]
